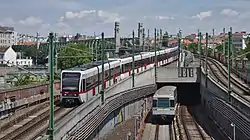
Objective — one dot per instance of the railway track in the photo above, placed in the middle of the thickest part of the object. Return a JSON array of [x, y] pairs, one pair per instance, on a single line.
[[157, 132], [222, 75], [188, 127], [33, 125]]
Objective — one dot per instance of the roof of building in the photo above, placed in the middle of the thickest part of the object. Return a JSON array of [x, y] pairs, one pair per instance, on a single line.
[[3, 49], [6, 29]]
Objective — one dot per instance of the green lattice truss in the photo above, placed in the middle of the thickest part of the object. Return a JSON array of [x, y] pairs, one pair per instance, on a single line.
[[93, 44]]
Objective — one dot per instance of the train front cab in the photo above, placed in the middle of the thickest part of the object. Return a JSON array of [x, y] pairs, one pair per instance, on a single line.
[[70, 87], [163, 108]]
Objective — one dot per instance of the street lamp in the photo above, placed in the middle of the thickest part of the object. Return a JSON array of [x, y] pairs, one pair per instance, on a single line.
[[233, 125]]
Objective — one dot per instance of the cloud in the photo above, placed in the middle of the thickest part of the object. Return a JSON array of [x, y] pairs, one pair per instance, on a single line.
[[31, 21], [103, 16], [229, 12], [87, 17], [203, 15], [158, 17], [164, 17]]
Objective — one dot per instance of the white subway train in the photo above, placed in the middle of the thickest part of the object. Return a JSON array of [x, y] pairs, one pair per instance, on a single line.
[[164, 102], [81, 83]]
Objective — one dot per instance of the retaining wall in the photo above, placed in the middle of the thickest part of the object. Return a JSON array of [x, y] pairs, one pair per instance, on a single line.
[[214, 94]]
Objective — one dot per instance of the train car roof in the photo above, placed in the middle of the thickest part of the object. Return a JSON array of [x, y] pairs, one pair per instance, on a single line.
[[88, 65], [165, 91]]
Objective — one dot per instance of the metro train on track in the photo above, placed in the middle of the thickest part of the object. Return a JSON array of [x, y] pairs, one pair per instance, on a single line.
[[164, 102], [81, 83]]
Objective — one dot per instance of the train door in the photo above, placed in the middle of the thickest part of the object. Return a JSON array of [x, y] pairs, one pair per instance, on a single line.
[[83, 89]]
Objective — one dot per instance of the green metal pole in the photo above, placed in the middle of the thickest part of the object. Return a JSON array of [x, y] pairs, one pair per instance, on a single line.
[[96, 51], [51, 61], [155, 54], [232, 47], [133, 63], [228, 64], [213, 44], [199, 45], [37, 40], [56, 55], [224, 45], [103, 72], [180, 44], [206, 59]]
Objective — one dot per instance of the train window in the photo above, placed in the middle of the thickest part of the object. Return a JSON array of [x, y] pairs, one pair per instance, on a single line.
[[83, 85], [123, 68], [70, 82], [127, 67], [154, 103], [171, 103], [138, 64], [106, 74], [112, 71], [163, 102], [89, 83], [117, 70], [100, 78]]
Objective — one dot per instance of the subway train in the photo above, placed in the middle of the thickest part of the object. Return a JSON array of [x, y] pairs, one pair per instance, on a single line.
[[164, 102], [80, 84]]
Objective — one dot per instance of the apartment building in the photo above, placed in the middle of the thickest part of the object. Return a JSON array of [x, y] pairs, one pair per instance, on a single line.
[[6, 36]]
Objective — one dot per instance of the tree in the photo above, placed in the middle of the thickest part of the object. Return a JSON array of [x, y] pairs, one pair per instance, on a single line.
[[219, 48], [71, 50], [165, 39], [23, 80], [193, 47]]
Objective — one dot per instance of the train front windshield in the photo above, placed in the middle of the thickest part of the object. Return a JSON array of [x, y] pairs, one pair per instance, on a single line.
[[161, 103], [70, 81]]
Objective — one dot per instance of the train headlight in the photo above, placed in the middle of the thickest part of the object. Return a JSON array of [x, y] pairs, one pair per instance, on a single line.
[[75, 94]]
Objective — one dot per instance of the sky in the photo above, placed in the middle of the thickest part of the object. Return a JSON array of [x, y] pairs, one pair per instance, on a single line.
[[96, 16]]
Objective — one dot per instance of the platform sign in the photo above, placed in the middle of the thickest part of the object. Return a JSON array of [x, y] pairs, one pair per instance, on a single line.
[[186, 72]]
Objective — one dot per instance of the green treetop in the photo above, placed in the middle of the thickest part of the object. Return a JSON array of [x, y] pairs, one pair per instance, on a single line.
[[73, 55]]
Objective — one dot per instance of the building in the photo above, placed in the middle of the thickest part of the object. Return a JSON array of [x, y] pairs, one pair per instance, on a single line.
[[24, 62], [7, 56], [6, 36], [238, 41]]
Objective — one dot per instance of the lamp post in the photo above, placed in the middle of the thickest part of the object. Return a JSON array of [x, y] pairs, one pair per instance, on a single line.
[[51, 61], [233, 125], [133, 57]]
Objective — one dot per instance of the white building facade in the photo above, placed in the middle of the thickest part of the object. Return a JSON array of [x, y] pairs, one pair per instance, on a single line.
[[24, 62], [6, 36], [9, 57]]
